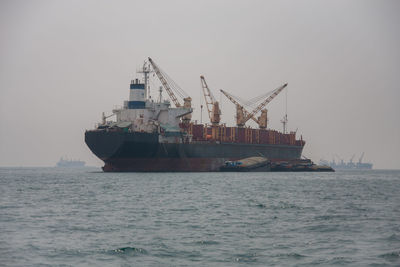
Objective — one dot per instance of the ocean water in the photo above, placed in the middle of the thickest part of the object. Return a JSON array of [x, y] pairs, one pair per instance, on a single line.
[[83, 217]]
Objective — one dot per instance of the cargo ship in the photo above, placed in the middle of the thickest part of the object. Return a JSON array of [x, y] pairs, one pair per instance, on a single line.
[[152, 136], [68, 163]]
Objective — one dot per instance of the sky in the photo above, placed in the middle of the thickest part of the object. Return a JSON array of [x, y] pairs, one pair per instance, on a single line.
[[63, 63]]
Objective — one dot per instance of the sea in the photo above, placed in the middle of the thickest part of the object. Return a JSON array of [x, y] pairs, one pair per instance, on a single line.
[[84, 217]]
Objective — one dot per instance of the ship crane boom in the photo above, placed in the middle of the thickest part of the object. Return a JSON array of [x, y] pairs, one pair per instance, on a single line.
[[212, 105], [232, 99], [361, 157], [243, 115], [165, 83], [265, 102], [169, 86]]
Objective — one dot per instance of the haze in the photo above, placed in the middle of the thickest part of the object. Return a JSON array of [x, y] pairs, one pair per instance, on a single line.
[[65, 62]]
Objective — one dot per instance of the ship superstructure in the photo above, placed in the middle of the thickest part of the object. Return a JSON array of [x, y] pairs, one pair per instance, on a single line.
[[150, 135], [141, 114]]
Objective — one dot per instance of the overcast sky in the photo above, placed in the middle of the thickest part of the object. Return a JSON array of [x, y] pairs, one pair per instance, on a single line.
[[62, 63]]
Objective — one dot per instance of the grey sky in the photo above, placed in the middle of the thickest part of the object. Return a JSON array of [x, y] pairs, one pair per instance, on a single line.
[[64, 62]]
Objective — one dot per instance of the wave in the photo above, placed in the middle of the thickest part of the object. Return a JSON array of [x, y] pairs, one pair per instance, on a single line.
[[128, 251], [391, 256]]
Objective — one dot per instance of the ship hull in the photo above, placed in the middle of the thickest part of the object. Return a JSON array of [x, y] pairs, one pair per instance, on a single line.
[[142, 152]]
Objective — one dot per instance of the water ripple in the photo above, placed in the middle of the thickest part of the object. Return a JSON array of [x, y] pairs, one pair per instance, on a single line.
[[53, 217], [131, 251]]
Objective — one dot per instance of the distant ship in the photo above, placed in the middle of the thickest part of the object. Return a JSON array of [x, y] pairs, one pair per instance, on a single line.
[[66, 163], [350, 165]]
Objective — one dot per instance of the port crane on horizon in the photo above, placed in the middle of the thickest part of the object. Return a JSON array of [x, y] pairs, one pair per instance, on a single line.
[[361, 157], [242, 115]]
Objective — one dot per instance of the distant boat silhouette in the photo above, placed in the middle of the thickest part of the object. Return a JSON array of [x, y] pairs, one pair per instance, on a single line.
[[66, 163]]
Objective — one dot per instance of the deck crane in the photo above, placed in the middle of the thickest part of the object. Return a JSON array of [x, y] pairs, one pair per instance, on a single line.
[[167, 86], [243, 115], [214, 113], [187, 100], [104, 118], [265, 102], [241, 112]]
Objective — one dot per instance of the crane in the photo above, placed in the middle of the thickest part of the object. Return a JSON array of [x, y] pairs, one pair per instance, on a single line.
[[339, 159], [241, 112], [265, 102], [361, 157], [212, 105], [104, 117], [187, 100], [243, 115], [162, 77]]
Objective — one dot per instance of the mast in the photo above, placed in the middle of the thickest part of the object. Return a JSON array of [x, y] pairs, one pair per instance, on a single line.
[[284, 121], [160, 92], [146, 70]]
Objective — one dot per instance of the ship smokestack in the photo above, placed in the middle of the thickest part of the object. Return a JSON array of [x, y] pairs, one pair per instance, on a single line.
[[137, 98]]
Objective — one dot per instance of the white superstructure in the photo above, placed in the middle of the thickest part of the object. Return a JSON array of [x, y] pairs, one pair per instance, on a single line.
[[142, 114]]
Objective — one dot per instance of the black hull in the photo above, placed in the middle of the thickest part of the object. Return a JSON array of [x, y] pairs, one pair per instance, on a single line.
[[142, 152]]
